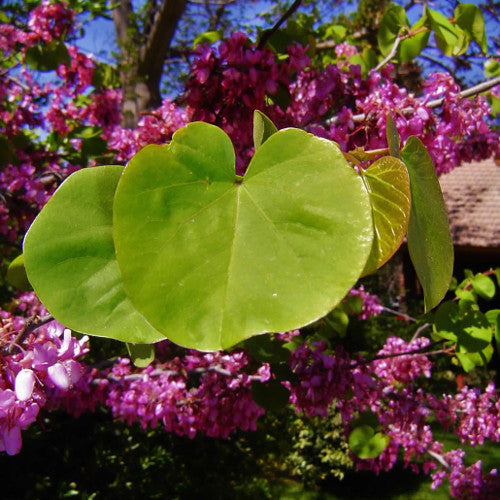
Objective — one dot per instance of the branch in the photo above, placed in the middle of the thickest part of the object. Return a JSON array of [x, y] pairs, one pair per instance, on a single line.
[[31, 324], [158, 372], [390, 55], [477, 89], [163, 29], [268, 34]]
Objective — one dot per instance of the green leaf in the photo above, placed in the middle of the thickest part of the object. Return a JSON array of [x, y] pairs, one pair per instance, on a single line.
[[6, 152], [465, 325], [388, 185], [429, 238], [141, 355], [211, 259], [264, 348], [263, 128], [411, 47], [469, 360], [492, 68], [470, 18], [70, 259], [393, 20], [272, 395], [484, 286], [208, 37], [338, 321], [47, 57], [393, 140], [447, 36], [16, 274], [365, 443]]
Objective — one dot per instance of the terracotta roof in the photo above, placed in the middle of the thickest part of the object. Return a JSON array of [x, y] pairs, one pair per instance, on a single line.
[[472, 197]]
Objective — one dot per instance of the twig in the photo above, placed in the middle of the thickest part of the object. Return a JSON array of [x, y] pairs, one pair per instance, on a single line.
[[476, 89], [439, 458], [421, 351], [419, 331], [390, 55], [407, 317], [268, 34], [31, 324]]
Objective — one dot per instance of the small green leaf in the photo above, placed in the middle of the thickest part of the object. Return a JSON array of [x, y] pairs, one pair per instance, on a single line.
[[470, 18], [393, 140], [366, 444], [16, 274], [263, 128], [393, 20], [429, 238], [272, 395], [338, 321], [411, 47], [208, 37], [447, 36], [492, 68], [47, 57], [141, 355], [484, 286], [70, 259], [264, 348], [469, 360], [388, 186]]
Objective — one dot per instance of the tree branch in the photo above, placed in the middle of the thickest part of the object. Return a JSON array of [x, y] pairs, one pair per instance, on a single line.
[[390, 55], [268, 34], [164, 25], [31, 324], [476, 89]]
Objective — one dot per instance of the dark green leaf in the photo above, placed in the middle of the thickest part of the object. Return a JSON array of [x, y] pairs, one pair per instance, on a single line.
[[70, 259], [272, 395], [16, 274], [263, 128], [264, 348], [47, 57], [429, 238]]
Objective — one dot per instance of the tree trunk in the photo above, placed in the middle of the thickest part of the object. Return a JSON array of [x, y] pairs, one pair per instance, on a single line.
[[143, 54]]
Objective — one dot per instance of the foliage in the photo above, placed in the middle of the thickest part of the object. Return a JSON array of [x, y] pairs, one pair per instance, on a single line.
[[53, 129]]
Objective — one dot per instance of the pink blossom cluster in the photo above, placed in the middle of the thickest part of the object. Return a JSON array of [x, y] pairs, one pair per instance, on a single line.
[[46, 362], [371, 303], [217, 405]]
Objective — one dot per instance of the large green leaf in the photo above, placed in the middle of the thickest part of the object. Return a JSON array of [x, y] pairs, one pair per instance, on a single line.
[[211, 259], [388, 185], [70, 259], [429, 238], [411, 47]]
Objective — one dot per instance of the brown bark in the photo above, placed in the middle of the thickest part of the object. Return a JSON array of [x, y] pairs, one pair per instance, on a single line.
[[143, 54]]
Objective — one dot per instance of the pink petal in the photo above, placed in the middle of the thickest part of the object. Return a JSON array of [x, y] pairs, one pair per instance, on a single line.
[[25, 381]]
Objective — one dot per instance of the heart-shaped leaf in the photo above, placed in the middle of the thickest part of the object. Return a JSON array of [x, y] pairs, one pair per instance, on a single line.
[[70, 259], [388, 185], [429, 238], [365, 443], [211, 259]]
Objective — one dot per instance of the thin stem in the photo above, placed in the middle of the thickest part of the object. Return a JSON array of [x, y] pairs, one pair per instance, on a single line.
[[402, 314], [390, 55], [31, 324], [268, 34], [420, 330]]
